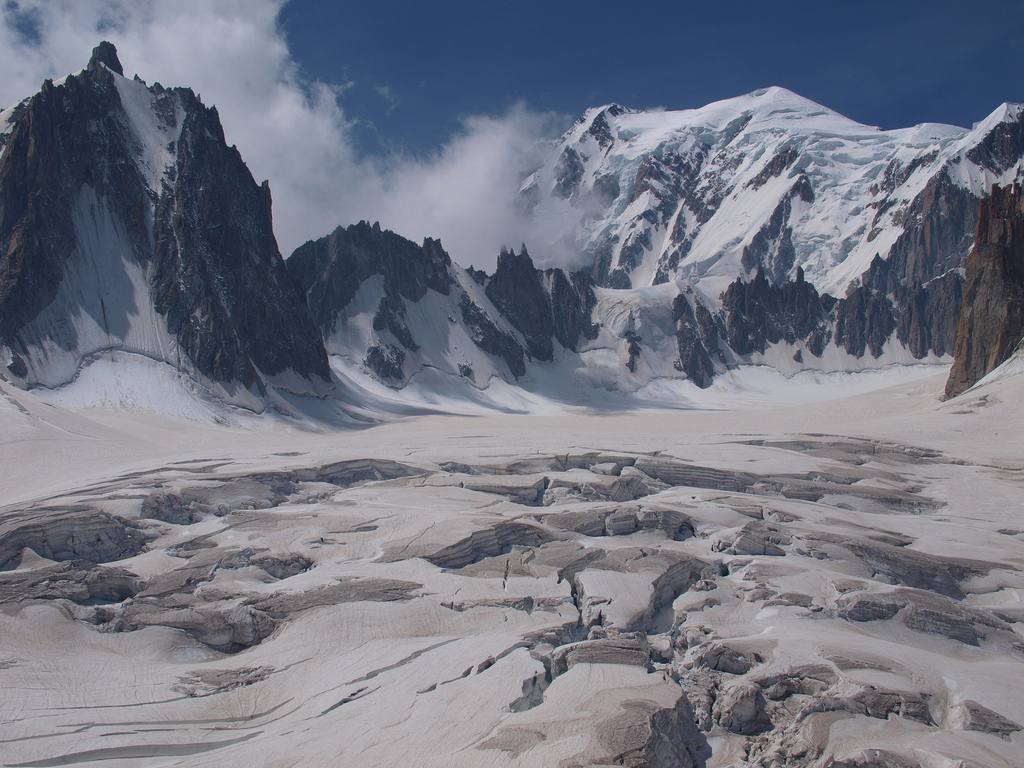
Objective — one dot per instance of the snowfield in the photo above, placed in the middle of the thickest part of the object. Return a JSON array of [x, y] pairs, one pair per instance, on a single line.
[[832, 577]]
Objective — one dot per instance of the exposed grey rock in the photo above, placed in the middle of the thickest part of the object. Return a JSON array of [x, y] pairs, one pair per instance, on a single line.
[[386, 361], [759, 313], [972, 716], [720, 657], [490, 338], [771, 248], [75, 580], [697, 339], [543, 306], [488, 542], [740, 707], [331, 269], [68, 534]]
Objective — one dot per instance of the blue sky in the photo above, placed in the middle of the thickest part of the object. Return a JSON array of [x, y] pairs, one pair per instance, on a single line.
[[418, 67]]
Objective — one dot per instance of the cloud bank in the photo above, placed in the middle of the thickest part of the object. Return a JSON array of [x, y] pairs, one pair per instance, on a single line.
[[294, 130]]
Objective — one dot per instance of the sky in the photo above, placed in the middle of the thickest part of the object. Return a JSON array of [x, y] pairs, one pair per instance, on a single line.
[[419, 67], [424, 115]]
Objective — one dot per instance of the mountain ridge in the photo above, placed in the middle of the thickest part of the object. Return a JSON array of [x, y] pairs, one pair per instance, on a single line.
[[157, 241]]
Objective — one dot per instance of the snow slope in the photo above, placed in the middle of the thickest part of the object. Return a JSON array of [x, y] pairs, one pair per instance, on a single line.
[[821, 579]]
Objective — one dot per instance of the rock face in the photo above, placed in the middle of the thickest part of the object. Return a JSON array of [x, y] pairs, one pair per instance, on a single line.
[[992, 319], [128, 224], [697, 339], [920, 317], [543, 305], [759, 313], [331, 269]]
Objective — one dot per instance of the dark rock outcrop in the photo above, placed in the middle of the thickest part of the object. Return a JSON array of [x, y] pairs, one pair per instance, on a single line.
[[542, 305], [491, 339], [918, 315], [697, 338], [921, 314], [517, 292], [331, 270], [757, 314], [992, 317], [772, 246]]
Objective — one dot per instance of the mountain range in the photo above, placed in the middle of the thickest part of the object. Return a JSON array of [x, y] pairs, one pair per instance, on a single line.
[[764, 230]]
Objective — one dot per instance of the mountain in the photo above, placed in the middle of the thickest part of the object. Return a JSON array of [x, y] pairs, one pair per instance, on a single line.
[[128, 226], [396, 308], [763, 230], [991, 326], [774, 180]]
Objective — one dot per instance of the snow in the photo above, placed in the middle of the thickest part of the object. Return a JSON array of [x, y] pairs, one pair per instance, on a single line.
[[835, 237], [1012, 367], [102, 302], [118, 380], [156, 137], [429, 679]]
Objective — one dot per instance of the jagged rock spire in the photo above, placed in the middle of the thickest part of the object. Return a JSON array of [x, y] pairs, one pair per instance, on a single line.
[[105, 53]]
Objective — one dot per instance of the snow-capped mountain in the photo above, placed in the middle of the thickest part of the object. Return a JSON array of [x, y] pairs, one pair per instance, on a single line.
[[129, 227], [771, 180], [760, 230]]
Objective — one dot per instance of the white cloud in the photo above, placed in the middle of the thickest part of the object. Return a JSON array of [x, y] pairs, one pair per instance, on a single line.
[[288, 128]]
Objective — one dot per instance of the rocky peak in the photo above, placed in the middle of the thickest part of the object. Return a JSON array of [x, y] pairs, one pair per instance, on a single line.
[[758, 314], [128, 225], [331, 269], [516, 290], [992, 314], [105, 53], [1003, 144]]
